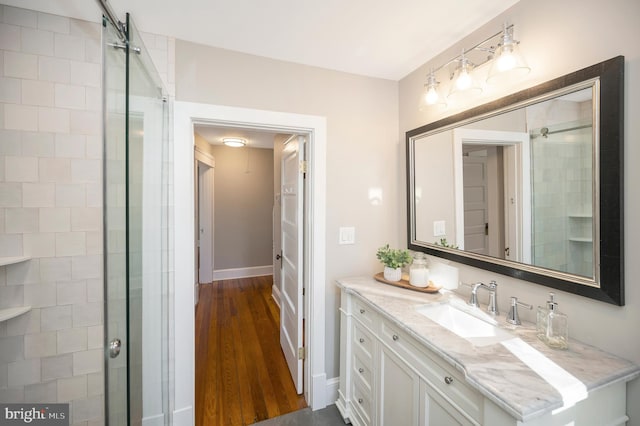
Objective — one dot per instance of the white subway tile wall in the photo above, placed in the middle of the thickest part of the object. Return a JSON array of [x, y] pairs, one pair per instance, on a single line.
[[51, 207], [50, 91]]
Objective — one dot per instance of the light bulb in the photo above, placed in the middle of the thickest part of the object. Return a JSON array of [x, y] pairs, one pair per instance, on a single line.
[[463, 81], [506, 60], [431, 97]]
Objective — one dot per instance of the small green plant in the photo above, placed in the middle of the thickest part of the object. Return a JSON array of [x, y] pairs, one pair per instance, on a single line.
[[443, 242], [393, 258]]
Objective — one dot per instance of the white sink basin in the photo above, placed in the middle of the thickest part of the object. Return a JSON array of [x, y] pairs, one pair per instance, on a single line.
[[469, 323]]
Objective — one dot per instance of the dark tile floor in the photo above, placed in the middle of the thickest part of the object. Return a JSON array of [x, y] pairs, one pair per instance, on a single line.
[[326, 417]]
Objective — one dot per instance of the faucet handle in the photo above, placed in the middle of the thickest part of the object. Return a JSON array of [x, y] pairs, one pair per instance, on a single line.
[[512, 316]]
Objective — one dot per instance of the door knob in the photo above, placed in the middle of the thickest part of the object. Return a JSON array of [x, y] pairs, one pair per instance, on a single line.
[[278, 257], [114, 347]]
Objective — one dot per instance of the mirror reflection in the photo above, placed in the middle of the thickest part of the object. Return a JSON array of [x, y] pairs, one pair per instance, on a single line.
[[517, 186], [530, 185]]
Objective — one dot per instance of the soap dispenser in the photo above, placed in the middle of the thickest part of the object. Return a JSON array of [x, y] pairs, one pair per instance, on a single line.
[[552, 326]]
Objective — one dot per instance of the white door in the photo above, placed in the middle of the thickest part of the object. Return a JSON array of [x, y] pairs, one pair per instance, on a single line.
[[205, 222], [291, 305], [476, 215]]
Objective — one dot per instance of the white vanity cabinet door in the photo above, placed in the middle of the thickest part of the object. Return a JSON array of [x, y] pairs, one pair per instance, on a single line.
[[399, 388], [435, 411]]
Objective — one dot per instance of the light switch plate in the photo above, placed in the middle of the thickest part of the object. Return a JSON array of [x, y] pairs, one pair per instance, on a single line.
[[347, 235], [439, 228]]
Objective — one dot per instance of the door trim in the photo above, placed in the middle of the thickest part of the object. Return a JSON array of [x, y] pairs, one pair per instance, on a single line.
[[185, 115]]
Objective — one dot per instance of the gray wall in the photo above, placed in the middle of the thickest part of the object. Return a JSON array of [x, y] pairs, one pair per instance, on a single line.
[[363, 147], [558, 38], [243, 205]]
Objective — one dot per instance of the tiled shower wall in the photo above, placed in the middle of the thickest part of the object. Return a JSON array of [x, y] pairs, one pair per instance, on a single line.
[[51, 208], [561, 187]]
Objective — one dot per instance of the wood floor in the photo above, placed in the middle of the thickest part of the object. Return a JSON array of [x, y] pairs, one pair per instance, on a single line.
[[241, 373]]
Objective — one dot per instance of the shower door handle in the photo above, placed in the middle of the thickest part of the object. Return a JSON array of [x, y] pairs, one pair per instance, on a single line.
[[114, 347]]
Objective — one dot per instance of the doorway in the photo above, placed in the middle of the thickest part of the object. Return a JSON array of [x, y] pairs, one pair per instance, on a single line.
[[255, 181], [514, 217], [186, 116]]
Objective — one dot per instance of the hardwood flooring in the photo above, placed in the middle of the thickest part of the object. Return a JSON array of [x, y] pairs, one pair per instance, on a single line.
[[241, 374]]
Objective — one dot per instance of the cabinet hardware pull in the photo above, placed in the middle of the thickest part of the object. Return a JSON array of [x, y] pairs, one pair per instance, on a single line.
[[361, 370], [362, 311], [359, 400], [361, 340], [448, 380], [395, 337]]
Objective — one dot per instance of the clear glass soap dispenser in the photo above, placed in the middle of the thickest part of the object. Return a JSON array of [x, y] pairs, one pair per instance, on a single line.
[[552, 326]]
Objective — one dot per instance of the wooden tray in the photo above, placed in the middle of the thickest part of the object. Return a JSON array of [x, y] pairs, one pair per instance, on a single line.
[[405, 284]]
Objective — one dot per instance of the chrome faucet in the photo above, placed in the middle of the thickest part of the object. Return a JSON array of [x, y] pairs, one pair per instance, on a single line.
[[492, 307]]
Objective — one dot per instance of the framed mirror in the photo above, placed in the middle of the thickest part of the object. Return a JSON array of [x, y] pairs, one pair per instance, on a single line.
[[529, 186]]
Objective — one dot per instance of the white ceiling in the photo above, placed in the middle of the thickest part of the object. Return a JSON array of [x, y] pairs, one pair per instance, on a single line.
[[378, 38], [255, 138]]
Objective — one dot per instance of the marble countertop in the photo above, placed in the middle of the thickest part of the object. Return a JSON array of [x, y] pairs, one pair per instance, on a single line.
[[521, 375]]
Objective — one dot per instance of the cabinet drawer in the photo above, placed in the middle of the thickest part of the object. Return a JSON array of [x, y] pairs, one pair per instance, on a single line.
[[363, 341], [364, 313], [441, 376], [362, 369], [361, 402]]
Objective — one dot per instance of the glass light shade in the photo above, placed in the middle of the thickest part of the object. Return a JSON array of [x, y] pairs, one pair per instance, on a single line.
[[234, 142], [508, 64], [463, 80], [431, 97]]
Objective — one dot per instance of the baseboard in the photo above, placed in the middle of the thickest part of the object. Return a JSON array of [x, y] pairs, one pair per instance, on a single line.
[[183, 416], [252, 271], [333, 386], [157, 420], [275, 294]]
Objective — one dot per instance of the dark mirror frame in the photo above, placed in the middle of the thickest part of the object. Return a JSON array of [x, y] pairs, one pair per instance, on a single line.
[[609, 157]]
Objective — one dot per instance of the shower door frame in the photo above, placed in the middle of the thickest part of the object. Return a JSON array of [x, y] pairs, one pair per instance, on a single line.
[[136, 163]]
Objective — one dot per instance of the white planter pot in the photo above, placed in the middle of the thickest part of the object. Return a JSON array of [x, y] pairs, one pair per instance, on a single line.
[[391, 274]]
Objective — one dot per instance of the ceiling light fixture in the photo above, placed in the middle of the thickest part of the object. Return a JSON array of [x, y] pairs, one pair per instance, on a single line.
[[506, 65], [234, 142]]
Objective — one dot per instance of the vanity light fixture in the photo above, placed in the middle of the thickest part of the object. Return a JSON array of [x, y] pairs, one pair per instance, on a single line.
[[463, 79], [431, 96], [234, 142], [507, 63], [500, 51]]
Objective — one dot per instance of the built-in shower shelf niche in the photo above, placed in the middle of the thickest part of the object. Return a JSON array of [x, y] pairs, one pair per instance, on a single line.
[[10, 260], [581, 239], [8, 313]]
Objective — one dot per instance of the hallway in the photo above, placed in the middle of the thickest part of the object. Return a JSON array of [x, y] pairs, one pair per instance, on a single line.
[[241, 374]]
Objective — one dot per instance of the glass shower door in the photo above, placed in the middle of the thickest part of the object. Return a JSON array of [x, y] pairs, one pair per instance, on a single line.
[[137, 233]]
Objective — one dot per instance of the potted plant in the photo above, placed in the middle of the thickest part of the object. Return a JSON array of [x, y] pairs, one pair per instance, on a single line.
[[393, 260]]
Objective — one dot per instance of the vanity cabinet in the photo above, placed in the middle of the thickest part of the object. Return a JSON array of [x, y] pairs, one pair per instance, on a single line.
[[390, 377], [390, 380]]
